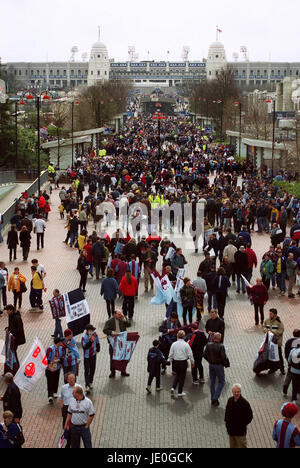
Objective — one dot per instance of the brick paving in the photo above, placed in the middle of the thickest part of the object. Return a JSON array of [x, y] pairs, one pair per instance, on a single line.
[[125, 415]]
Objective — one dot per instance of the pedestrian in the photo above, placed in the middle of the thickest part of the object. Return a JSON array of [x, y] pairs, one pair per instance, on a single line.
[[155, 360], [91, 347], [17, 285], [83, 268], [180, 353], [11, 434], [215, 355], [275, 326], [112, 327], [12, 398], [71, 359], [291, 272], [15, 327], [39, 230], [25, 241], [238, 415], [241, 268], [294, 363], [98, 254], [221, 284], [55, 356], [3, 289], [188, 300], [285, 434], [266, 270], [292, 343], [12, 242], [36, 291], [214, 325], [65, 397], [80, 414], [109, 291], [259, 296], [197, 343], [129, 289]]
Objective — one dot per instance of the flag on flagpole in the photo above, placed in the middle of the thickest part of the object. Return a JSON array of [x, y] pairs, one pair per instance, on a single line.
[[32, 368]]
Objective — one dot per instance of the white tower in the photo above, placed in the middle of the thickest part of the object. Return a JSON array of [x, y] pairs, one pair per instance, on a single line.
[[216, 60], [98, 63]]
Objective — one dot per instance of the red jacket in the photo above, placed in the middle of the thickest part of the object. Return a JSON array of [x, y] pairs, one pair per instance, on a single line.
[[88, 248], [259, 294], [252, 259], [129, 289]]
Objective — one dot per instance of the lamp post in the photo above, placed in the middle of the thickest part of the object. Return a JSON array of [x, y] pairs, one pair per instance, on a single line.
[[273, 131], [44, 96], [239, 104]]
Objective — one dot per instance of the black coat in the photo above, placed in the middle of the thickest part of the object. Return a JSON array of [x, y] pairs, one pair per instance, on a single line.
[[12, 239], [25, 239], [15, 326], [12, 401], [155, 359], [198, 343], [237, 416]]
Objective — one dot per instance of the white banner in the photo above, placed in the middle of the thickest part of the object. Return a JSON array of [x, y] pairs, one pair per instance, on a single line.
[[32, 368], [75, 311]]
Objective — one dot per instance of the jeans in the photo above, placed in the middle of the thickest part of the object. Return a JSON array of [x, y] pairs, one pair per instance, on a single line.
[[35, 298], [78, 433], [180, 368], [280, 279], [110, 306], [216, 371], [58, 328], [73, 238], [151, 377], [260, 223], [239, 282], [89, 370], [212, 300], [39, 240]]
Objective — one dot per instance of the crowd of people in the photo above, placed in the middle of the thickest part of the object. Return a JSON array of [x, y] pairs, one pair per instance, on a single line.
[[129, 213]]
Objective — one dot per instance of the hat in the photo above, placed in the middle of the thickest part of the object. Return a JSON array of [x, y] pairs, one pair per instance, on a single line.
[[289, 410], [67, 332], [90, 327]]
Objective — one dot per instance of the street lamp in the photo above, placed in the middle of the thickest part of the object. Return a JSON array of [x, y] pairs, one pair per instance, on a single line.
[[239, 104], [273, 132], [42, 97]]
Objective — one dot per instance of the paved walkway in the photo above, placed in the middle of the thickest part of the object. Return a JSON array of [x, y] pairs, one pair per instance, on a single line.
[[125, 415]]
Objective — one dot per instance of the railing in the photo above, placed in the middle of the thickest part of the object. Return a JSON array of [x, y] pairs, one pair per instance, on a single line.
[[12, 176], [32, 189]]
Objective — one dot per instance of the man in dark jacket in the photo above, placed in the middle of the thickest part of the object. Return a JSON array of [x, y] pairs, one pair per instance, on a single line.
[[215, 355], [220, 285], [15, 327], [98, 254], [12, 398], [238, 415], [214, 325], [155, 359], [241, 266], [197, 343]]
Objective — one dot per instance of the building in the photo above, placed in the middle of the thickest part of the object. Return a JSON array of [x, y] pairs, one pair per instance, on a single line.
[[72, 74]]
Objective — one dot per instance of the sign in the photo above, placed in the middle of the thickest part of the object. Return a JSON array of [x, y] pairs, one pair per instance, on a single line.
[[196, 65], [177, 64], [138, 65], [32, 368], [77, 311], [119, 65], [285, 115], [158, 65]]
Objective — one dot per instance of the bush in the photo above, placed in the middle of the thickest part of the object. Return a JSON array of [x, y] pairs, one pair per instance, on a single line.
[[292, 188]]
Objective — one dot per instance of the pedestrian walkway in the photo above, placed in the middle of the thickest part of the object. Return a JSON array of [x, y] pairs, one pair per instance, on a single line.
[[125, 415]]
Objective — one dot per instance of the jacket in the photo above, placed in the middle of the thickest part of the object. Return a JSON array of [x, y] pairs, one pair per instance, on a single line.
[[155, 359], [276, 327], [129, 289], [12, 239], [252, 258], [241, 262], [11, 282], [187, 294], [98, 250], [110, 326], [291, 267], [12, 401], [15, 326], [215, 353], [238, 415], [259, 294], [266, 269], [197, 343], [216, 325], [109, 289], [229, 252], [221, 283]]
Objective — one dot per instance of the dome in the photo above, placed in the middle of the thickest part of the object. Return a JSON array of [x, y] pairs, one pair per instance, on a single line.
[[99, 46], [216, 51]]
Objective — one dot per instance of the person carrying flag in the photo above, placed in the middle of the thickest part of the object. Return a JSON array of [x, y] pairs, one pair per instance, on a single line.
[[91, 346]]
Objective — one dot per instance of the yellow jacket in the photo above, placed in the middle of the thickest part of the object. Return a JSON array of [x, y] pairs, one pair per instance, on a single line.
[[11, 282]]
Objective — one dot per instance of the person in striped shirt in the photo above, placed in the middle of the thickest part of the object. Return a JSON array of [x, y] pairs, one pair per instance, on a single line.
[[91, 346], [284, 432]]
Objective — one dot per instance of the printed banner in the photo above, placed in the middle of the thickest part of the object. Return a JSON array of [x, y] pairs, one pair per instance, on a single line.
[[32, 368], [77, 311], [123, 348]]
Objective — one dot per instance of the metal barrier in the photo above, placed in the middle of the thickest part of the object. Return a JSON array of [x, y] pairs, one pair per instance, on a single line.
[[32, 189], [7, 177]]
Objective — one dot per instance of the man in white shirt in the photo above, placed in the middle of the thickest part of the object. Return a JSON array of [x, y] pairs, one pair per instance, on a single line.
[[81, 414], [180, 352], [39, 267], [39, 229], [65, 398]]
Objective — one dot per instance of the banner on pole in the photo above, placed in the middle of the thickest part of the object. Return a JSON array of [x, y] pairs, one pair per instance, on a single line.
[[32, 367]]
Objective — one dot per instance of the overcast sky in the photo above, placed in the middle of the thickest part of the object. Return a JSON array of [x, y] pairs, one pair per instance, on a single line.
[[32, 30]]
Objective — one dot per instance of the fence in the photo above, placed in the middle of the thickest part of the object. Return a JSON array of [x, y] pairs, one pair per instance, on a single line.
[[33, 188], [7, 176]]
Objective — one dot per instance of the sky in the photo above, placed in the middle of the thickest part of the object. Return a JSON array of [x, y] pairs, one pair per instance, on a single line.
[[32, 30]]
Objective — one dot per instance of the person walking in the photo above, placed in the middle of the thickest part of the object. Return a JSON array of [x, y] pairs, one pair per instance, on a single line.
[[294, 363], [55, 356], [71, 358], [15, 327], [214, 325], [129, 289], [39, 229], [238, 415], [188, 299], [16, 284], [291, 272], [292, 343], [180, 352], [3, 288], [99, 256], [266, 270], [221, 284], [285, 433], [25, 242], [80, 414], [12, 398], [109, 291], [91, 347], [259, 296], [112, 327], [83, 268], [36, 291], [65, 397], [12, 242], [197, 343], [215, 355], [241, 268], [155, 360], [275, 326]]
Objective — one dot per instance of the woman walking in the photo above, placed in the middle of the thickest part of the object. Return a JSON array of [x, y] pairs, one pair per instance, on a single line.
[[109, 290], [83, 268], [25, 242], [12, 242], [16, 284], [129, 288], [259, 295], [266, 270]]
